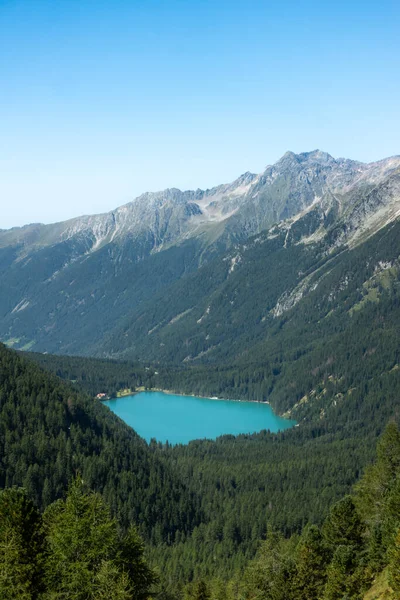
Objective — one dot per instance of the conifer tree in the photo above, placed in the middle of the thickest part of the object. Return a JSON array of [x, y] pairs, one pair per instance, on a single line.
[[201, 591], [112, 584], [394, 565], [87, 557], [343, 526], [21, 546], [338, 574], [377, 497], [15, 573], [378, 479], [312, 562], [131, 560], [271, 575]]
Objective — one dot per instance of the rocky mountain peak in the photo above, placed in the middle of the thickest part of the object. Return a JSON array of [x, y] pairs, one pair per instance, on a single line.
[[246, 177], [101, 264], [317, 156], [251, 203]]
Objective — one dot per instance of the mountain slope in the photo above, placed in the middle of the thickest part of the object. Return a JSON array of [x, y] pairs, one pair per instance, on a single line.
[[259, 294], [249, 483], [326, 347], [67, 287], [49, 432]]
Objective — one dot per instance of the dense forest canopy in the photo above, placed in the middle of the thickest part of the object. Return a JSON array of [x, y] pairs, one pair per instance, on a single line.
[[245, 485], [76, 550], [49, 431]]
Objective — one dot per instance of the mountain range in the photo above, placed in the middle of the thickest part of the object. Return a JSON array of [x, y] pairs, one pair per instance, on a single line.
[[281, 287], [205, 275]]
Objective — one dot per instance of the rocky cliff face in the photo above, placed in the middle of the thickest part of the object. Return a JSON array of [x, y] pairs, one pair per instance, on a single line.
[[69, 283], [296, 183]]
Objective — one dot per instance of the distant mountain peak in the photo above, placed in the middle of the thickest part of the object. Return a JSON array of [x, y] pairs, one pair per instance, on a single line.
[[288, 156], [318, 155], [314, 155], [96, 269], [281, 192]]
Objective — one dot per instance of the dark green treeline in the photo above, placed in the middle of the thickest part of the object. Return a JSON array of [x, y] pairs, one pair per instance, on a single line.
[[77, 551], [49, 432]]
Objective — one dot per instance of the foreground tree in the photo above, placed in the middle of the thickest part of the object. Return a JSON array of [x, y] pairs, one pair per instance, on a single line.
[[88, 557], [21, 546], [343, 526], [312, 562], [394, 565], [340, 583], [271, 575]]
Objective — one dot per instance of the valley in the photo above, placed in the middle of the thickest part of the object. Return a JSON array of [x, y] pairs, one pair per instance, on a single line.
[[280, 290], [199, 300], [234, 490]]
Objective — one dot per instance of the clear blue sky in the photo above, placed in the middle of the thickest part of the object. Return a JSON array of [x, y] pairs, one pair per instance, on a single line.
[[103, 100]]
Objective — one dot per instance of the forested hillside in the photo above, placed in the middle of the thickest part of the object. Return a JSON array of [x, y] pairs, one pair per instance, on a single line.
[[77, 551], [249, 483], [328, 354], [95, 375], [354, 555], [49, 432], [272, 305]]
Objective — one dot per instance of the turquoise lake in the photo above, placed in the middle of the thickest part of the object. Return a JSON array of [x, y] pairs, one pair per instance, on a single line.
[[179, 419]]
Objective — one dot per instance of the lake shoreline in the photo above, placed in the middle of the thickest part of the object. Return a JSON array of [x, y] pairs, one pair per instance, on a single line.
[[178, 418], [173, 393]]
